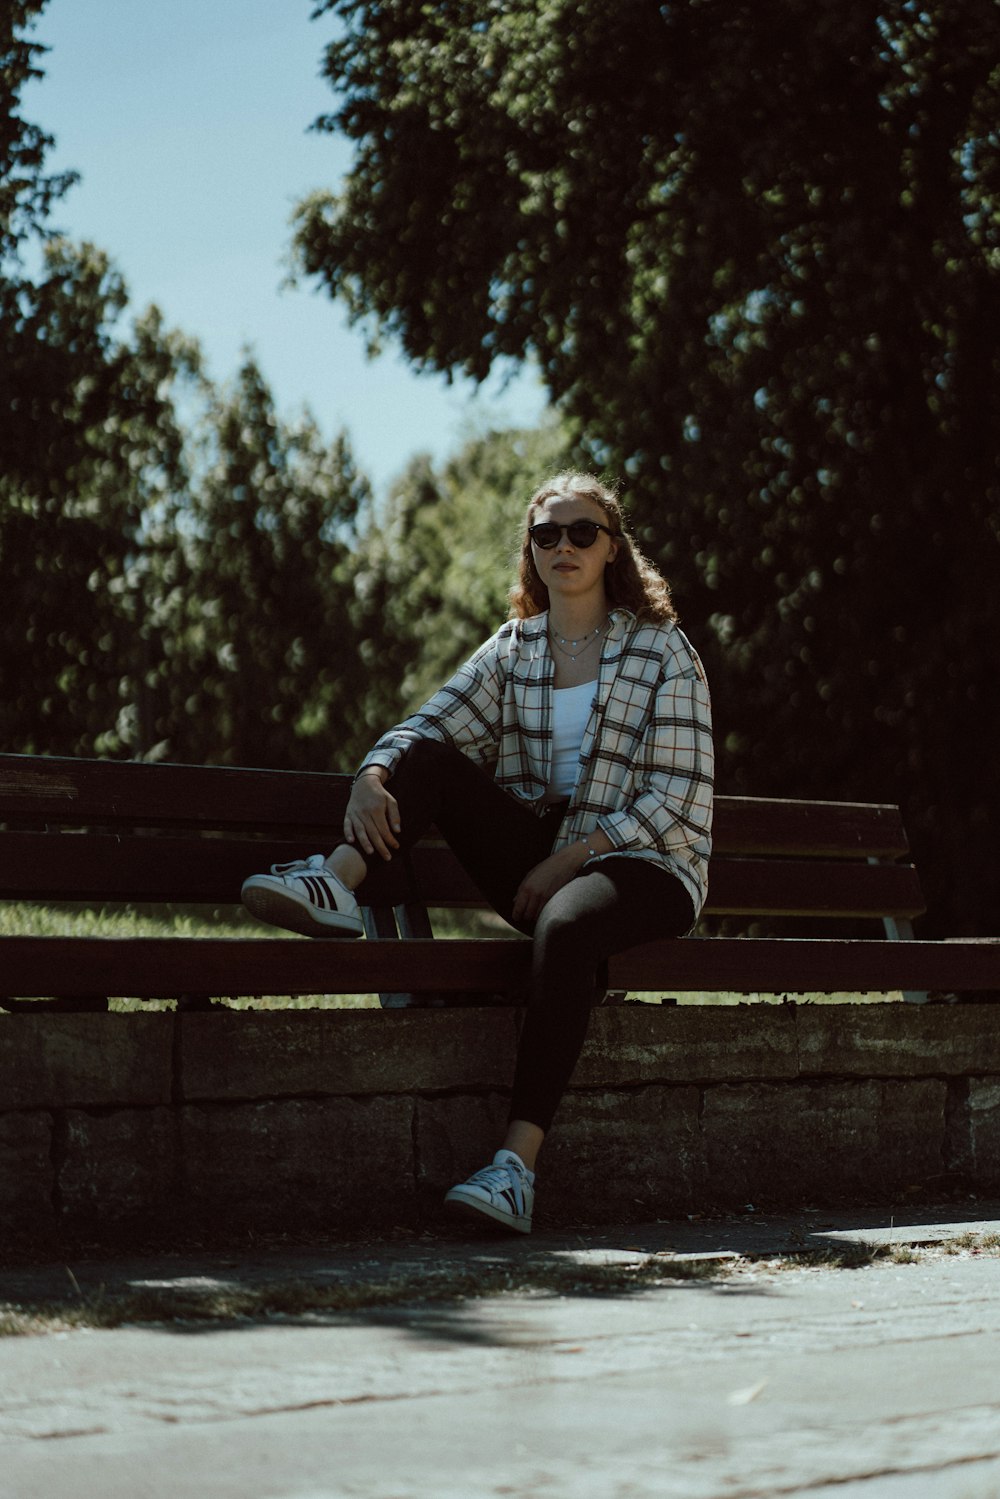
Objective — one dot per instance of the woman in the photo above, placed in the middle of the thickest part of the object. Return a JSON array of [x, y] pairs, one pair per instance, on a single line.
[[569, 765]]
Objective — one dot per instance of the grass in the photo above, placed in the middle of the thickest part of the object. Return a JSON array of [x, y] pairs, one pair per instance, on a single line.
[[860, 1253], [76, 919]]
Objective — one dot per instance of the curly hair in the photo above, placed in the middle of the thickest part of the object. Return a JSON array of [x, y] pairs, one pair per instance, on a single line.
[[630, 581]]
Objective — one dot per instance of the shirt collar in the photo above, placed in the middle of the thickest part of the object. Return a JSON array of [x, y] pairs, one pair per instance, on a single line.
[[537, 624]]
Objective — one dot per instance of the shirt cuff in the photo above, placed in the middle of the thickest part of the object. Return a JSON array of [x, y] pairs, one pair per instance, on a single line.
[[621, 829], [387, 759]]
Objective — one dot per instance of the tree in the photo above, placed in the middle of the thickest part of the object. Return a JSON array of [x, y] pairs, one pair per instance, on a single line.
[[93, 448], [755, 250], [27, 193], [434, 568], [172, 585], [89, 445], [255, 643]]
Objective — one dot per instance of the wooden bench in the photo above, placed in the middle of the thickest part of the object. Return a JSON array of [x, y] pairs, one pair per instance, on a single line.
[[104, 831]]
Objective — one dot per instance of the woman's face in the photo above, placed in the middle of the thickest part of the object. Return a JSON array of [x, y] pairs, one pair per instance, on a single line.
[[569, 572]]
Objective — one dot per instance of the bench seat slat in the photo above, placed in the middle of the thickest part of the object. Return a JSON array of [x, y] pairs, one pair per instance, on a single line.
[[151, 967], [189, 870], [747, 887]]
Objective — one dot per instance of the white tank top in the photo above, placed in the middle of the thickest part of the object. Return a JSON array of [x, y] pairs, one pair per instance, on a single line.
[[570, 711]]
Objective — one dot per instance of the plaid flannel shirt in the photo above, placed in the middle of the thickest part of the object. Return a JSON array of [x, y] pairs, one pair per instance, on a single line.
[[646, 761]]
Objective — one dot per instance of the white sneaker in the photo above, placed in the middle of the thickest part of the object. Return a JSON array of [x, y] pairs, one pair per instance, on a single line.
[[504, 1192], [304, 897]]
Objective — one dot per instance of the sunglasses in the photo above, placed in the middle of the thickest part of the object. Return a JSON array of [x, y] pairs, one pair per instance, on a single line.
[[581, 533]]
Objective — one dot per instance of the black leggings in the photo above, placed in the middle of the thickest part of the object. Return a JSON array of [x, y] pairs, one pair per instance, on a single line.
[[616, 904]]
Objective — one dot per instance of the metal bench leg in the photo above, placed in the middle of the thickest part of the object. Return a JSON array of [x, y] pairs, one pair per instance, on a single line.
[[901, 930], [389, 924]]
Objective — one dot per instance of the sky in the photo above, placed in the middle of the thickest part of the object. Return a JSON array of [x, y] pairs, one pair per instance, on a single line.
[[189, 124]]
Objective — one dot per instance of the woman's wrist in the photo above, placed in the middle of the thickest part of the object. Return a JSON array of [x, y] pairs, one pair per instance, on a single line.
[[594, 845], [378, 771]]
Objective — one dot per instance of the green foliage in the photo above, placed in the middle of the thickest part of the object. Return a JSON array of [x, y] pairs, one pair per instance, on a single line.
[[27, 194], [255, 642], [176, 560], [177, 586], [189, 575], [755, 249], [89, 445], [92, 448], [434, 572]]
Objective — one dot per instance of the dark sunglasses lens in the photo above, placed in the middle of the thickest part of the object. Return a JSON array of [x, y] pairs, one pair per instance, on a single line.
[[582, 533], [545, 535]]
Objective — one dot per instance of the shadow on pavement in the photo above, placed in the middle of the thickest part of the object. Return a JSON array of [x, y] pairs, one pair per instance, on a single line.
[[435, 1285]]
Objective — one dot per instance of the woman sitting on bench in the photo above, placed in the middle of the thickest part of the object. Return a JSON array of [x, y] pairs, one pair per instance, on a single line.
[[569, 766]]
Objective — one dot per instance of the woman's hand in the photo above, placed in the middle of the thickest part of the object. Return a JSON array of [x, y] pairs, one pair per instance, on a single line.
[[541, 883], [372, 817]]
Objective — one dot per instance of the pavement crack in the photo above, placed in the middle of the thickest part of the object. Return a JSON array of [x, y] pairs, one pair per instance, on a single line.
[[63, 1434]]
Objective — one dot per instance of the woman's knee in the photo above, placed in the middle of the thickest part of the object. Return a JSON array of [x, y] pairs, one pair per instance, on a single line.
[[562, 935], [429, 752], [428, 761]]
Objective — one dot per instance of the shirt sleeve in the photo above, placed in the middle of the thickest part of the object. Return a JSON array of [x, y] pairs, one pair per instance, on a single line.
[[674, 778], [466, 712]]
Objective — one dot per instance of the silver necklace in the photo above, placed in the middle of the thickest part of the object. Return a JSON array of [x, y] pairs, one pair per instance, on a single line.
[[574, 648]]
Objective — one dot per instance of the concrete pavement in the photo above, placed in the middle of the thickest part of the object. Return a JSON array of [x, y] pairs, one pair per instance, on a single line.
[[768, 1377]]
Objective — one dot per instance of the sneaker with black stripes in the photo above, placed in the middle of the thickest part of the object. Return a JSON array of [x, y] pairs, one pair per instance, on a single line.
[[304, 897], [504, 1192]]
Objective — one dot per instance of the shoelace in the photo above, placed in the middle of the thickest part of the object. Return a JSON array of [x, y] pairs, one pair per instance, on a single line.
[[313, 865], [500, 1179]]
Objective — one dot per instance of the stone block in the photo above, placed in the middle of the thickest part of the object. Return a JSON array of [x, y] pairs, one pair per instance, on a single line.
[[245, 1055], [26, 1173], [305, 1163], [983, 1106], [632, 1044], [86, 1061], [621, 1156], [454, 1137], [957, 1141], [610, 1155], [896, 1040], [117, 1167], [820, 1142]]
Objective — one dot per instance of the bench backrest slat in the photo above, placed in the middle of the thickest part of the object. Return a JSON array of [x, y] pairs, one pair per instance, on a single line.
[[103, 867], [105, 792], [832, 830]]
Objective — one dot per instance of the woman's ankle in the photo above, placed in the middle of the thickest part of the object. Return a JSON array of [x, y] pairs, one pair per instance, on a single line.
[[525, 1140], [348, 865]]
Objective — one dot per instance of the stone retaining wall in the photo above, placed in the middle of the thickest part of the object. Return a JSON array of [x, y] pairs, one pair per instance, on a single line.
[[311, 1119]]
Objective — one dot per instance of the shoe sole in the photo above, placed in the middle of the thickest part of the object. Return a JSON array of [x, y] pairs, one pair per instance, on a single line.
[[282, 908], [473, 1207]]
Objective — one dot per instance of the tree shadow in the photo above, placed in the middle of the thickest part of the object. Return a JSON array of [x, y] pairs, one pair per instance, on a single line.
[[437, 1297], [438, 1286]]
